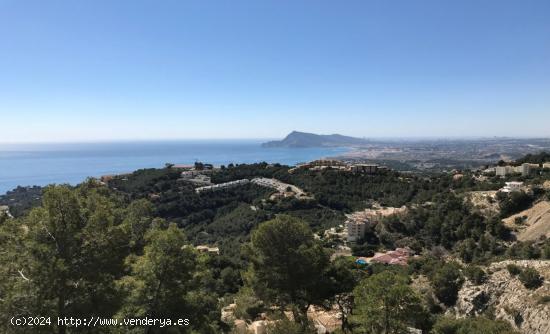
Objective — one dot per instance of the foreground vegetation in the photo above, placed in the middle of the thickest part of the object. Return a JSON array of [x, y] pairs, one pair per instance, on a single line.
[[126, 250]]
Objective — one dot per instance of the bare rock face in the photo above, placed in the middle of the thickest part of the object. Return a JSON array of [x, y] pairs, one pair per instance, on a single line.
[[505, 296]]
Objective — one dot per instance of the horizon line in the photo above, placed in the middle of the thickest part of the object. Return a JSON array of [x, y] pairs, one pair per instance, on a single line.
[[374, 138]]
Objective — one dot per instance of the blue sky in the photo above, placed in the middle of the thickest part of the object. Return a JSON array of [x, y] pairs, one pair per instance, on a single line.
[[103, 70]]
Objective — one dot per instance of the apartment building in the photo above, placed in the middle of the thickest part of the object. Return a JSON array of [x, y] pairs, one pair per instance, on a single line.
[[356, 228], [524, 169]]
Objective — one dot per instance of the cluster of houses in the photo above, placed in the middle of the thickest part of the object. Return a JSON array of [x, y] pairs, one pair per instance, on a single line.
[[199, 178], [283, 189], [220, 186], [524, 169], [323, 164]]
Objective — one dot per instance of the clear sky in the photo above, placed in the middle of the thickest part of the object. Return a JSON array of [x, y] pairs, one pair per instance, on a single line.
[[103, 69]]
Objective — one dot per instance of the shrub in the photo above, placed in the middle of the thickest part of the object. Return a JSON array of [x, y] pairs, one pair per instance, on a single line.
[[285, 326], [446, 282], [520, 220], [530, 278], [544, 299], [513, 269], [448, 325], [516, 315], [248, 305], [475, 274], [513, 202]]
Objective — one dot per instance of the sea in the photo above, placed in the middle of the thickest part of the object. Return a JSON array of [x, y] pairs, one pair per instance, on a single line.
[[72, 163]]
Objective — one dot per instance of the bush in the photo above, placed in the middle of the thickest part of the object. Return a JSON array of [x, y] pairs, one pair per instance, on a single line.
[[248, 305], [446, 282], [543, 300], [448, 325], [513, 269], [285, 326], [531, 278], [515, 314], [476, 274], [520, 220], [524, 250], [513, 202]]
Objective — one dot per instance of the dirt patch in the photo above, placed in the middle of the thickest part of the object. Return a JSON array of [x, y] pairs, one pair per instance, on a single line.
[[534, 222]]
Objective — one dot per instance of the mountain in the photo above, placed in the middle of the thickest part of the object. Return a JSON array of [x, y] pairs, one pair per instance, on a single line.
[[304, 139]]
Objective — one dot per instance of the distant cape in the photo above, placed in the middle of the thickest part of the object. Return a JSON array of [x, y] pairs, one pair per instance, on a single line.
[[304, 139]]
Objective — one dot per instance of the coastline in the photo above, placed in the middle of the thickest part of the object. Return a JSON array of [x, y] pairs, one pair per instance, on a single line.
[[72, 163]]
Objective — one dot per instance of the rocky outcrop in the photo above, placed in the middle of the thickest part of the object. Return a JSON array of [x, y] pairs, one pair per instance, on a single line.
[[506, 297], [484, 201]]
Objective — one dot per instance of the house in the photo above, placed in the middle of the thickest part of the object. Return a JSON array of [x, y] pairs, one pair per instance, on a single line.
[[207, 249], [183, 166], [399, 256], [546, 165], [364, 168], [512, 186]]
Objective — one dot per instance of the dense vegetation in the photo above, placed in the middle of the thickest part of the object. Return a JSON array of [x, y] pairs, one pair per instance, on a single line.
[[126, 250], [21, 199], [538, 158]]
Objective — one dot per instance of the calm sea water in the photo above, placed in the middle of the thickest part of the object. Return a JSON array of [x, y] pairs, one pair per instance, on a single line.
[[25, 164]]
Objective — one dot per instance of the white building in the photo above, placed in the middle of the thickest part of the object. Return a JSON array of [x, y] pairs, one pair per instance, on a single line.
[[524, 169], [189, 174], [504, 170], [546, 165], [220, 186], [512, 186]]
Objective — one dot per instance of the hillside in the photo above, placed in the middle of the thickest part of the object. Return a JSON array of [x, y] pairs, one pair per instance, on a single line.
[[527, 310], [536, 222], [304, 139], [236, 240]]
